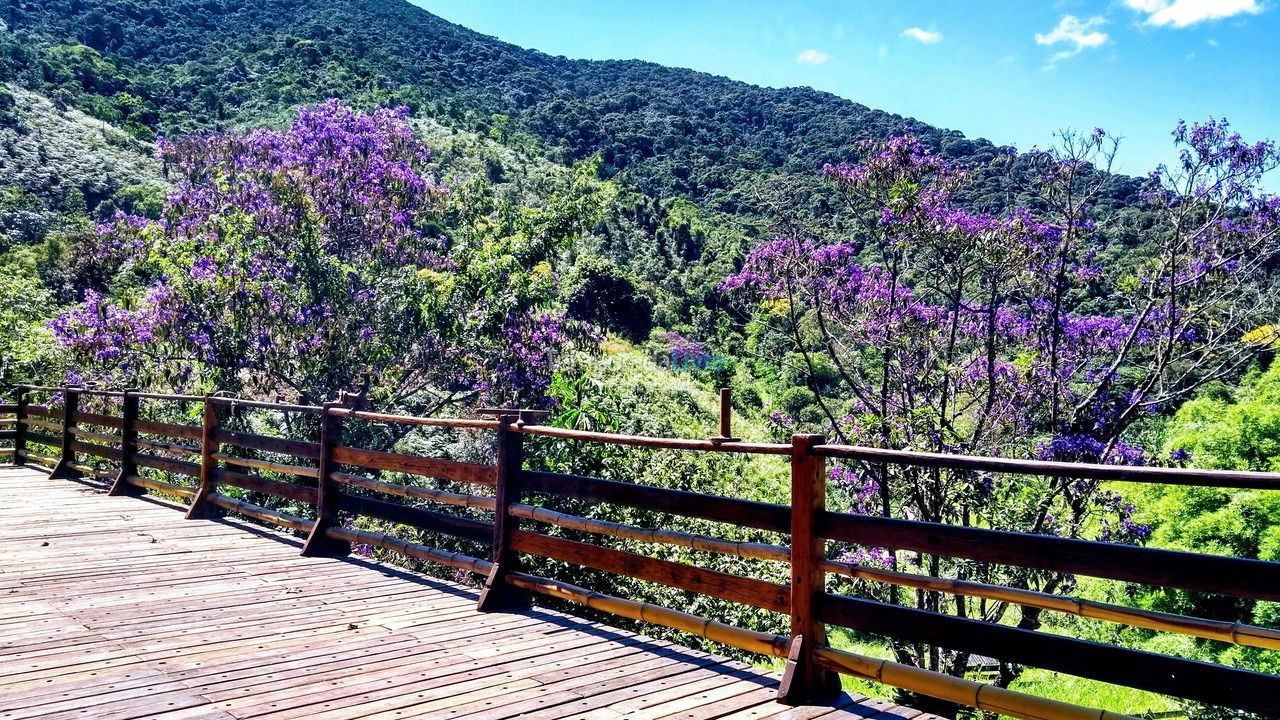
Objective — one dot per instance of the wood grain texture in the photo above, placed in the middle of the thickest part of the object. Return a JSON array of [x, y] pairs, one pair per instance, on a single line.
[[118, 609], [763, 516], [758, 593], [414, 465], [1191, 571], [1202, 682]]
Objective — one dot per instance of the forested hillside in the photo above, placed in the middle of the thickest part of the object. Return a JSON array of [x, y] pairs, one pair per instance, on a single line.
[[172, 67]]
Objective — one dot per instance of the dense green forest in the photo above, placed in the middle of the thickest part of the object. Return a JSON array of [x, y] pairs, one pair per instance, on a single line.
[[295, 197]]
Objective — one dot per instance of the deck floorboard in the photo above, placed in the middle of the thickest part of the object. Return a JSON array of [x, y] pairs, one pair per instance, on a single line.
[[116, 608]]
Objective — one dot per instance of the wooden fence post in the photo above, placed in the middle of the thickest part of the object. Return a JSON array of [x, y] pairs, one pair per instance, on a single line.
[[128, 446], [497, 593], [70, 406], [319, 544], [20, 433], [803, 682], [208, 463]]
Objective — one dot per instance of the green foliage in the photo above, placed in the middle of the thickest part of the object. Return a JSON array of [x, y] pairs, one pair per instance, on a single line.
[[598, 292], [27, 348], [1239, 434]]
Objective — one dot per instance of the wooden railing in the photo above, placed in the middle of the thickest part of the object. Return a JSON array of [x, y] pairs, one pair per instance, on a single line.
[[324, 474]]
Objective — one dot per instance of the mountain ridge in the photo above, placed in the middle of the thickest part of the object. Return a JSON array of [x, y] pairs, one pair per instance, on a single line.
[[669, 131]]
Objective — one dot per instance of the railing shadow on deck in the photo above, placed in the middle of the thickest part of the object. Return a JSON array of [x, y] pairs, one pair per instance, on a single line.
[[192, 463]]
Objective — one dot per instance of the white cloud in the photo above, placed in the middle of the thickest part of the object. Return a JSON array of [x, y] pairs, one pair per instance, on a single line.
[[812, 57], [922, 35], [1184, 13], [1077, 34]]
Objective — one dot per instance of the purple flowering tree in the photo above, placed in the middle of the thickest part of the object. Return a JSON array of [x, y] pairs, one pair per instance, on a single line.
[[962, 332], [320, 257]]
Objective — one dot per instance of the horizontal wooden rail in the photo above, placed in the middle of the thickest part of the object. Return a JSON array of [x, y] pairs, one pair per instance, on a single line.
[[1190, 571], [99, 437], [46, 424], [160, 485], [88, 418], [1050, 468], [750, 640], [480, 502], [1201, 682], [152, 427], [655, 442], [176, 448], [44, 412], [257, 512], [42, 439], [464, 423], [178, 467], [254, 483], [282, 468], [413, 550], [266, 443], [758, 593], [732, 511], [420, 518], [101, 451], [958, 690], [759, 551], [8, 409], [1231, 632], [415, 465], [84, 469]]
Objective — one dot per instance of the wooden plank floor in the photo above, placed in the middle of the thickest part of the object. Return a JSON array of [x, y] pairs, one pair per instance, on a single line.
[[119, 609]]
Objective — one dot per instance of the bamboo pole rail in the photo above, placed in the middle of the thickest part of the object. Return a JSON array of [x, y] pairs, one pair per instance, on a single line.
[[413, 550], [257, 512], [759, 551], [750, 640], [958, 690], [160, 485], [1238, 633], [480, 502], [90, 470], [286, 469], [38, 457]]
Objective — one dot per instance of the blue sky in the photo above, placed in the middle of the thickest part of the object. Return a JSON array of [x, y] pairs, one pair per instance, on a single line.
[[1010, 71]]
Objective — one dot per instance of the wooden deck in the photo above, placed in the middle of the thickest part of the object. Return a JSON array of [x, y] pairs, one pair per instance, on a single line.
[[117, 608]]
